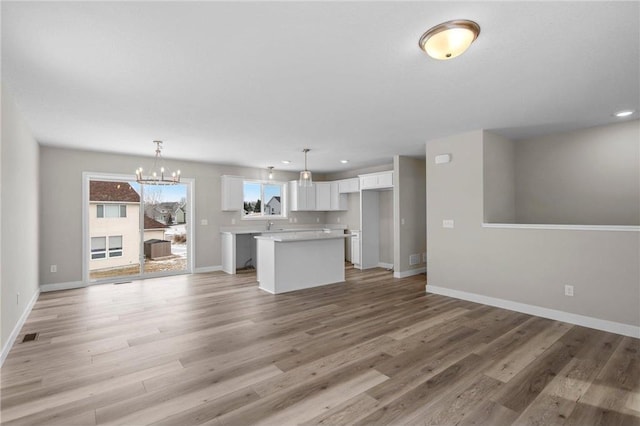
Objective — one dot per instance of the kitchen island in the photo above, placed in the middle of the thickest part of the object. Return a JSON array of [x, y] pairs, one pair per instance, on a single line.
[[289, 262]]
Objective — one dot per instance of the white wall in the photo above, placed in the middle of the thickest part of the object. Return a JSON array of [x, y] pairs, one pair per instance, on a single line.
[[528, 266], [61, 200], [19, 218], [588, 177]]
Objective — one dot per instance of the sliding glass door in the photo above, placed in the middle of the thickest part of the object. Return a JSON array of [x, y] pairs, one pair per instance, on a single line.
[[133, 230]]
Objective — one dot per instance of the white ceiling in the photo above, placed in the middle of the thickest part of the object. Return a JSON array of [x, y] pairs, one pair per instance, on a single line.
[[252, 83]]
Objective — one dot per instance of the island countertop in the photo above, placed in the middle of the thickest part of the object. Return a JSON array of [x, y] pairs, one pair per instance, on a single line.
[[301, 236]]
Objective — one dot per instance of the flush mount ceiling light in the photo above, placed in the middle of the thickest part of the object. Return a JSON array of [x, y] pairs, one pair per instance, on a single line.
[[305, 175], [286, 162], [344, 161], [156, 175], [625, 113], [449, 39]]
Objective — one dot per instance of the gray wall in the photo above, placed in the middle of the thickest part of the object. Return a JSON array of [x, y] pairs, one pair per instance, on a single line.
[[523, 265], [19, 216], [499, 179], [410, 206], [61, 206], [588, 177]]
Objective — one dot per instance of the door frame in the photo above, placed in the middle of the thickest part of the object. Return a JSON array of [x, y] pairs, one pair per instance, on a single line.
[[86, 236]]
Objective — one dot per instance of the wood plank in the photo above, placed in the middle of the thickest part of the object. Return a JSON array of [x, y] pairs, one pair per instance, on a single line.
[[214, 349]]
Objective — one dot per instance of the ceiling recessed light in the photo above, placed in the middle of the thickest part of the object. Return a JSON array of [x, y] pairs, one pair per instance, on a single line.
[[344, 161], [449, 39], [286, 162], [626, 113]]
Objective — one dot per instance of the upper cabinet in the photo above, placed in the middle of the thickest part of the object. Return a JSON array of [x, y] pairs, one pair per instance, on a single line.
[[377, 180], [322, 196], [346, 186], [231, 193], [301, 198], [338, 200]]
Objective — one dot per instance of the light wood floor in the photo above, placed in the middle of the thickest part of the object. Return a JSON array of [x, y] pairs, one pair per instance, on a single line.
[[213, 349]]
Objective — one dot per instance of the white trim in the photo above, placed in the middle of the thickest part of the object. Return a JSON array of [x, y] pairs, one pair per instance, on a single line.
[[410, 272], [562, 227], [265, 290], [382, 264], [16, 330], [206, 269], [590, 322], [44, 288]]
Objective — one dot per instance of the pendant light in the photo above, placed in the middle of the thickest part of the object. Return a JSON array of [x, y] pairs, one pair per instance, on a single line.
[[270, 172], [156, 175], [449, 39], [305, 175]]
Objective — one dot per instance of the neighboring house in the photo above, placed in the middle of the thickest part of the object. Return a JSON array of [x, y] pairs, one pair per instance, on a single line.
[[114, 223], [273, 207], [153, 230], [169, 213], [181, 215]]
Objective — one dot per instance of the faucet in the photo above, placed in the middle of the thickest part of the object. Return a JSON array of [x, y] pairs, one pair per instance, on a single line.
[[269, 225]]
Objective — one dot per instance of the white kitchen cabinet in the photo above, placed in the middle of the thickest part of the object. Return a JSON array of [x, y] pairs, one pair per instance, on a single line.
[[301, 198], [323, 196], [355, 248], [232, 193], [338, 200], [376, 180], [346, 186]]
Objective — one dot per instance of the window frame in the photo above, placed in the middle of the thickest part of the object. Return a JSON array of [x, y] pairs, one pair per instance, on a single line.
[[101, 210], [98, 252], [262, 216]]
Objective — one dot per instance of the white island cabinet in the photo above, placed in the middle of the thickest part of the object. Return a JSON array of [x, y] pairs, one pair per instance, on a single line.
[[288, 262]]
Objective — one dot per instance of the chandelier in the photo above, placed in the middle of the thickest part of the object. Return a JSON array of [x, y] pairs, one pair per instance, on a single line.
[[156, 175]]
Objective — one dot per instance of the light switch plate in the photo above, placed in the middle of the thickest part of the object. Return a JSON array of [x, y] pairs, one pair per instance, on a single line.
[[204, 222], [447, 223]]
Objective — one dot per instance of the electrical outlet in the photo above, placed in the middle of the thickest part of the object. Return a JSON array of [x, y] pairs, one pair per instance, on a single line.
[[290, 220], [233, 220], [17, 298], [295, 220], [317, 220], [338, 219], [402, 221], [568, 290], [54, 268], [424, 257]]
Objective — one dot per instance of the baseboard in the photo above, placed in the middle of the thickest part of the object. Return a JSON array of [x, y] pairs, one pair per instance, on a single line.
[[590, 322], [205, 269], [61, 286], [409, 273], [16, 330], [385, 265]]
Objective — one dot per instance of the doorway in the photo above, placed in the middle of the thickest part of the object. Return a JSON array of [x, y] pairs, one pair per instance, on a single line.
[[135, 231]]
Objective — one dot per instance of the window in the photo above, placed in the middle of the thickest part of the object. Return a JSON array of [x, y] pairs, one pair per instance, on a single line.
[[111, 210], [98, 247], [115, 246], [263, 199]]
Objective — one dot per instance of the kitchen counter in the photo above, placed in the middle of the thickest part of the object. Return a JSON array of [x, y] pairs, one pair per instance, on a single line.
[[289, 262], [238, 247], [302, 236]]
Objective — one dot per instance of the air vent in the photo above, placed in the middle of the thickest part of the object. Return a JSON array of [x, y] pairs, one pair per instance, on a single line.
[[30, 337]]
